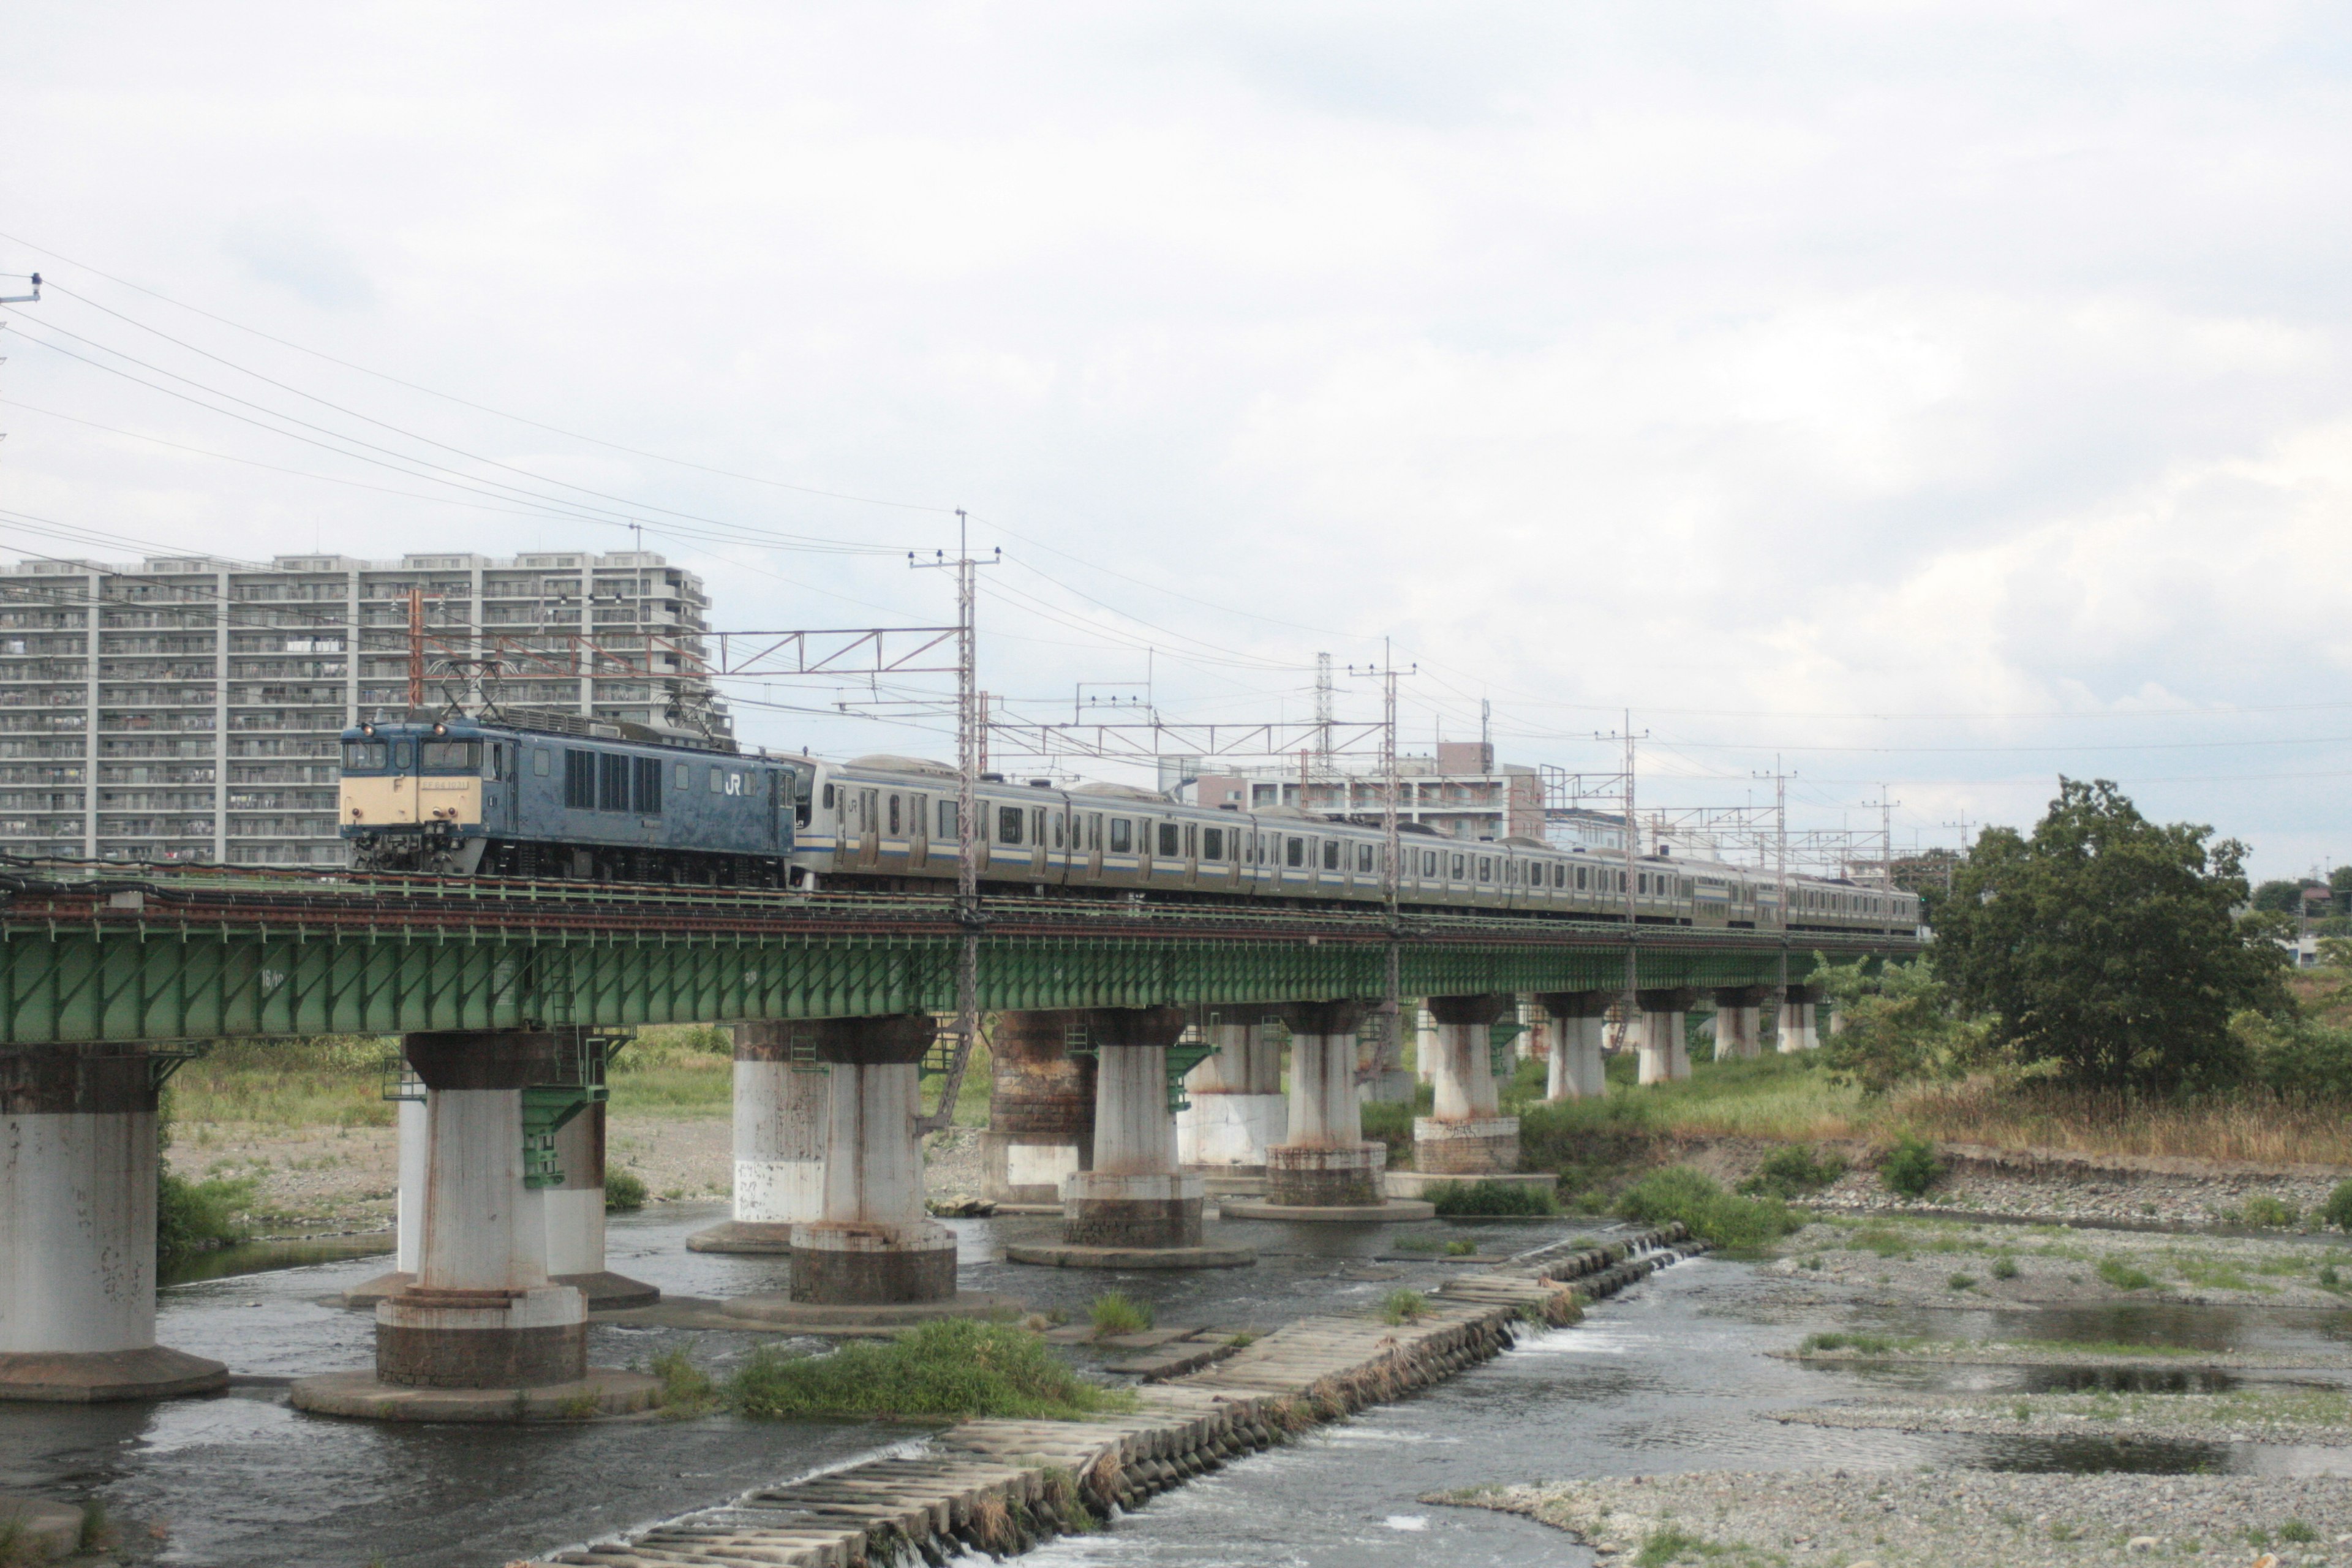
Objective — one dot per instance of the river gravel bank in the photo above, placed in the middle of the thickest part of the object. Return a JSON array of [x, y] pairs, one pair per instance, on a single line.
[[1963, 1519], [2304, 1417]]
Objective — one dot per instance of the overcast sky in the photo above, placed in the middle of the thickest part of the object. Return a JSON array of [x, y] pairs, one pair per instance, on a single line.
[[1949, 395]]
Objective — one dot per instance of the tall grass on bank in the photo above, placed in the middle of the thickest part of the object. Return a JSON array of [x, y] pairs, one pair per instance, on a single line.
[[2258, 1126], [328, 1080], [193, 1216], [950, 1371], [676, 1070], [1713, 1214]]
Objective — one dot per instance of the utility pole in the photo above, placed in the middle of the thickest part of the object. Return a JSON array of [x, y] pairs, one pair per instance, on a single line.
[[1391, 837], [1780, 866], [972, 740], [1630, 839]]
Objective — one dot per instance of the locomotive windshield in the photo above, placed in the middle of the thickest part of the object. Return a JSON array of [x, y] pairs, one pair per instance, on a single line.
[[364, 756], [452, 756]]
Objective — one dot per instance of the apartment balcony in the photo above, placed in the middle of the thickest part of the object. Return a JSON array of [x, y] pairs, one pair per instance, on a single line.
[[281, 800], [46, 774], [309, 745], [281, 827], [138, 721], [39, 723]]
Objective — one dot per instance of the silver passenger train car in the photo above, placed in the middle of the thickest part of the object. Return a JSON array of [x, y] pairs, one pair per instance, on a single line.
[[890, 822]]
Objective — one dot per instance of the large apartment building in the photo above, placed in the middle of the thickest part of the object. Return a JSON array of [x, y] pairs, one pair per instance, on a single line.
[[1459, 790], [187, 708]]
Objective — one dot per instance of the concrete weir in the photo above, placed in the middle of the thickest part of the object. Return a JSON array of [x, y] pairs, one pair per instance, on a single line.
[[1003, 1487]]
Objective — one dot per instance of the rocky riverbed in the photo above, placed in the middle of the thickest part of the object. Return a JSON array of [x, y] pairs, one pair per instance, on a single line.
[[1969, 1519]]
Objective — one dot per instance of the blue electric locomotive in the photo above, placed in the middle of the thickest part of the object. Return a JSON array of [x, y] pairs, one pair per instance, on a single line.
[[534, 794]]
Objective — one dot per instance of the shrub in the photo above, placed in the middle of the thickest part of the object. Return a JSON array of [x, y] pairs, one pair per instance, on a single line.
[[1911, 1170], [624, 1190], [1791, 1172], [954, 1370], [686, 1389], [1465, 1248], [2338, 1210], [1114, 1312], [195, 1217], [1960, 1282], [1490, 1199], [1402, 1307], [2004, 1268], [1860, 1344], [1666, 1545], [2266, 1211], [1713, 1214], [2328, 1279], [2123, 1276]]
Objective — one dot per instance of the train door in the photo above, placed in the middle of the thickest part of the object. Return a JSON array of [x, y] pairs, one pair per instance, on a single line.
[[1061, 849], [1091, 861], [918, 832], [869, 828]]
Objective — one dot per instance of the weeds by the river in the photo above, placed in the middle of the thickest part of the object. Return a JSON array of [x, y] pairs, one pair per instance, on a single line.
[[946, 1369], [1714, 1215], [1402, 1307], [1489, 1199], [1114, 1312]]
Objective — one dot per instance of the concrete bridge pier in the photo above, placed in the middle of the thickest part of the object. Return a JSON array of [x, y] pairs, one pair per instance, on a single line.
[[1386, 1082], [575, 1220], [1797, 1018], [1325, 1169], [482, 1334], [1236, 1111], [78, 1166], [873, 1245], [1041, 1111], [780, 1107], [1135, 1207], [1425, 1041], [1577, 1022], [1468, 1135], [1738, 1021], [1665, 1050]]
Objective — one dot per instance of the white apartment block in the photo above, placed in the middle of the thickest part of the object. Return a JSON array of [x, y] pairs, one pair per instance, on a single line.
[[188, 709]]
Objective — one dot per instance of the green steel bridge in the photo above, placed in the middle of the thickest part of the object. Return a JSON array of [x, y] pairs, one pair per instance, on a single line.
[[154, 955]]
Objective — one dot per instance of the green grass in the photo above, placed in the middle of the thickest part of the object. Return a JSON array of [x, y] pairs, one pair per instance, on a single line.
[[1714, 1215], [948, 1371], [1114, 1312], [2269, 1213], [1793, 1171], [1399, 1308], [2004, 1268], [2121, 1274], [1670, 1543], [1860, 1344], [1462, 1200], [330, 1080], [687, 1391], [624, 1190], [1960, 1282], [193, 1216]]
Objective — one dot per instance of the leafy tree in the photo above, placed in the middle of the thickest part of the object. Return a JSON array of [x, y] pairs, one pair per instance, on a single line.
[[2285, 898], [2104, 943], [1895, 1026]]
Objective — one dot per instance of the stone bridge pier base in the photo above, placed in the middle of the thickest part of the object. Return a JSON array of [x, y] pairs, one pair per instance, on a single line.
[[1236, 1111], [1326, 1170], [1578, 1022], [482, 1334], [1135, 1207], [1738, 1021], [780, 1131], [1796, 1029], [1665, 1050], [1041, 1111], [1468, 1135], [77, 1165]]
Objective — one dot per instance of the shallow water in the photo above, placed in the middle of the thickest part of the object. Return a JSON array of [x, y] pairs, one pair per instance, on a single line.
[[1672, 1376]]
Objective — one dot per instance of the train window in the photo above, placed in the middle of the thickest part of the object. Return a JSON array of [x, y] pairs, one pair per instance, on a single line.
[[948, 829], [1171, 841], [648, 786], [718, 781], [1461, 867], [1331, 854], [1057, 829], [1008, 825], [1363, 857], [1037, 826], [1429, 862], [1581, 872], [893, 815], [366, 756], [1094, 830], [1485, 868], [1192, 840], [539, 761], [828, 797], [453, 756], [494, 761], [682, 776], [1213, 844], [580, 780], [403, 756], [1122, 836]]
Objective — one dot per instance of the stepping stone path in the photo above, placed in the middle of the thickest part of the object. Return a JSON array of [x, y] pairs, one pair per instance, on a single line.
[[1002, 1487]]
